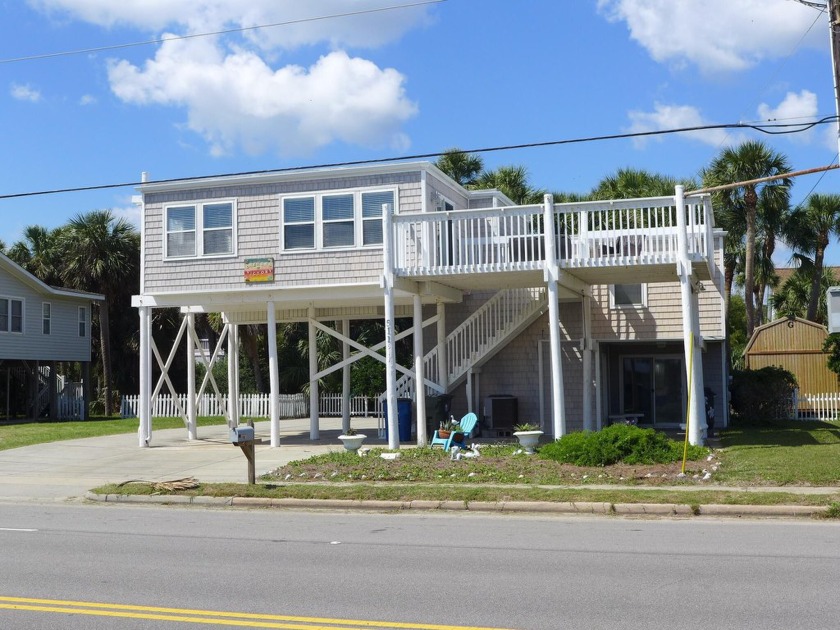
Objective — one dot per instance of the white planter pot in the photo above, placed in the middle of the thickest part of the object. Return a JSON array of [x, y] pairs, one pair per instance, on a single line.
[[528, 440], [352, 442]]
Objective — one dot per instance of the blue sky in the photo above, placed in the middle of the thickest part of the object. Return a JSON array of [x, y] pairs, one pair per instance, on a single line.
[[418, 79]]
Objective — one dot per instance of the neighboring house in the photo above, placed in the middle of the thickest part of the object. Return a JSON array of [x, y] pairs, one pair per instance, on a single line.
[[40, 326], [796, 345], [583, 312]]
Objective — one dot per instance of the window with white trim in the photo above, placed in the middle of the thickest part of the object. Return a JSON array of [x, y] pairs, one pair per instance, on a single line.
[[82, 321], [628, 295], [203, 229], [333, 220], [46, 317], [11, 315]]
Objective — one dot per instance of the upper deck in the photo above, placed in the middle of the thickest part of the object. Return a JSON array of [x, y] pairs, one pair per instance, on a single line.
[[600, 242]]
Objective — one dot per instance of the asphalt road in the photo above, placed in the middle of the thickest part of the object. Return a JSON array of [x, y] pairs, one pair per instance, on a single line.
[[175, 565]]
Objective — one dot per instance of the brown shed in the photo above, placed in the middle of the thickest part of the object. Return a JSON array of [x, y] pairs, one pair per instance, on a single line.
[[796, 345]]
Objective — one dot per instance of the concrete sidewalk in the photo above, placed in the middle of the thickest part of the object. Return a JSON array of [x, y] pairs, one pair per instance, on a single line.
[[66, 470]]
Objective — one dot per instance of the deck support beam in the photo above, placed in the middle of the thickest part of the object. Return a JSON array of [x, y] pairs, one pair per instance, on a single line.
[[587, 351], [233, 375], [191, 398], [345, 378], [144, 431], [419, 379], [390, 351], [696, 420], [273, 375], [552, 272], [314, 429]]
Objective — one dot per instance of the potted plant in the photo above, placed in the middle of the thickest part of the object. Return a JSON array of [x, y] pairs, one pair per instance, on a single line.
[[352, 440], [528, 435], [447, 428]]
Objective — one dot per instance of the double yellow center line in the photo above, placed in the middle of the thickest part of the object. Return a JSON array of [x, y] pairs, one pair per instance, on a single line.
[[208, 617]]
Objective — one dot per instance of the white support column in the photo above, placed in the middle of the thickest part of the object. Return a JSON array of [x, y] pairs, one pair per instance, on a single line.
[[443, 362], [588, 418], [273, 375], [233, 382], [144, 431], [390, 351], [314, 428], [599, 392], [419, 373], [695, 421], [192, 433], [345, 378], [552, 272], [697, 390]]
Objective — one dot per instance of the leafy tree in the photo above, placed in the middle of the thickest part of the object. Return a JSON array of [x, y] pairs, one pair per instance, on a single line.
[[513, 182], [38, 252], [810, 230], [736, 324], [793, 298], [100, 253], [751, 160]]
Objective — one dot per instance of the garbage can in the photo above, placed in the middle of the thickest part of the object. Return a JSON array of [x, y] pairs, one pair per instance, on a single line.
[[710, 411], [403, 418]]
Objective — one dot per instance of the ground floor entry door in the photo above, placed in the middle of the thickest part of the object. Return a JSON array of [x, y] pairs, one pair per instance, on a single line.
[[654, 386]]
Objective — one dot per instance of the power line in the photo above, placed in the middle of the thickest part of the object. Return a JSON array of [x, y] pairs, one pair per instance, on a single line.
[[764, 128], [242, 29]]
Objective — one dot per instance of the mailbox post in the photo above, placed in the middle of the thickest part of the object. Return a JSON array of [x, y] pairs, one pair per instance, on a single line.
[[243, 437]]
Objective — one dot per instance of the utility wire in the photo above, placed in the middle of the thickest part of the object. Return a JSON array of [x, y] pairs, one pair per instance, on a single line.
[[764, 128], [242, 29]]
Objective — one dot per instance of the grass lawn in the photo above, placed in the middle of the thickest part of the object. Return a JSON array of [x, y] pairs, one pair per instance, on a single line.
[[26, 433]]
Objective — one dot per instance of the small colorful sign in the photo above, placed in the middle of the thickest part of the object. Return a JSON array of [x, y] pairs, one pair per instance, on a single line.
[[259, 270]]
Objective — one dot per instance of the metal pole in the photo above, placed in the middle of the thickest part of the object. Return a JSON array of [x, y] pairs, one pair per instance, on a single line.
[[552, 272], [314, 429], [191, 414], [834, 30], [273, 375], [419, 376], [390, 351]]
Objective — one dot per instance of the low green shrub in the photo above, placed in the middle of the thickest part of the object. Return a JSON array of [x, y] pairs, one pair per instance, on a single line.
[[618, 443], [764, 394]]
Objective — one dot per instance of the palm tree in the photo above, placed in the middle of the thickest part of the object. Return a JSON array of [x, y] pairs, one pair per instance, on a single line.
[[793, 298], [630, 183], [751, 160], [463, 167], [810, 230], [38, 253], [100, 252], [513, 182]]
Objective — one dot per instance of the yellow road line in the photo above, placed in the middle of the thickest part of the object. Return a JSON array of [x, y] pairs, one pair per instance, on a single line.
[[187, 615]]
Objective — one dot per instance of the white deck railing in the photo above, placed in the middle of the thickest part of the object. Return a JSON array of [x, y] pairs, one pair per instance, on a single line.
[[251, 406], [588, 234]]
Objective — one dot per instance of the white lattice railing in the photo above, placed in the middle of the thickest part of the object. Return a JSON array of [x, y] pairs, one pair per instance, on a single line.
[[481, 334], [251, 405], [588, 234], [815, 406]]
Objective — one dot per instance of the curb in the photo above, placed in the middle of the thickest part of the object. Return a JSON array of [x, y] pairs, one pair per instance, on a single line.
[[517, 507]]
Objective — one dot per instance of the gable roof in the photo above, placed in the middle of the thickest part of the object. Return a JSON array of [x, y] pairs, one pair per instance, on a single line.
[[21, 274]]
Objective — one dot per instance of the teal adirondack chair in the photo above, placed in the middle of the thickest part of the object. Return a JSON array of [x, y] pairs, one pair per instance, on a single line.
[[467, 423]]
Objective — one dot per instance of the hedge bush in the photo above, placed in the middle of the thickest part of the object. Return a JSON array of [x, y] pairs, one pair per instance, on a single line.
[[618, 443], [760, 395]]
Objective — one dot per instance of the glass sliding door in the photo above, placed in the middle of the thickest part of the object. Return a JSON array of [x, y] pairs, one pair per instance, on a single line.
[[653, 386]]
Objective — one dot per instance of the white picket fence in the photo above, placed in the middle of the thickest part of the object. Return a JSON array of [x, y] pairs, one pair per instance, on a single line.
[[815, 406], [250, 405]]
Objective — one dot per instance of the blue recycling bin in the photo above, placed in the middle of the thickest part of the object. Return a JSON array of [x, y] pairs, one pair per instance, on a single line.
[[403, 418]]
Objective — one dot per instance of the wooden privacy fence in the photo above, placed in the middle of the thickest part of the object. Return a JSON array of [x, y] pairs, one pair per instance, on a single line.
[[251, 405], [815, 406]]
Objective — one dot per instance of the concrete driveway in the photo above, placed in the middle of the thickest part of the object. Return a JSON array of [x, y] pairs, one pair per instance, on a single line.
[[66, 470]]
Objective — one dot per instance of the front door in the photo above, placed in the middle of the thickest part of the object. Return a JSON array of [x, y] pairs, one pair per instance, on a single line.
[[655, 387]]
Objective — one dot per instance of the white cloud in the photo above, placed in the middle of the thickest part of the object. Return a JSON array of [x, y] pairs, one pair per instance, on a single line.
[[237, 100], [717, 35], [25, 93], [794, 108], [679, 117], [303, 23], [87, 99], [130, 213]]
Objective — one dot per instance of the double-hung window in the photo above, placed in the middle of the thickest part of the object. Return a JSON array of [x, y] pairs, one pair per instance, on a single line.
[[46, 317], [82, 321], [11, 315], [333, 220], [204, 229]]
